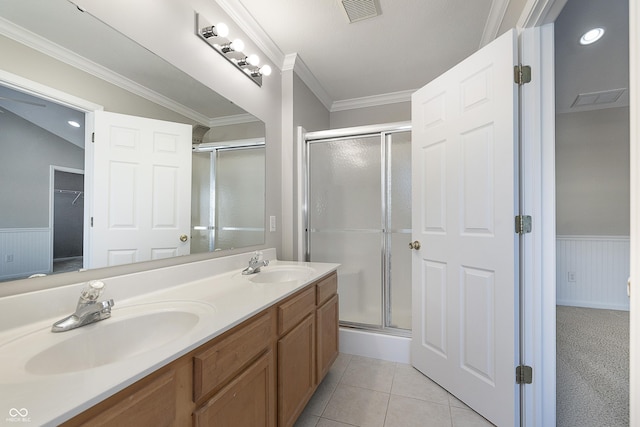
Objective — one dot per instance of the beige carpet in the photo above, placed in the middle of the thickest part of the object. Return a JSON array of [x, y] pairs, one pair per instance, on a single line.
[[592, 367]]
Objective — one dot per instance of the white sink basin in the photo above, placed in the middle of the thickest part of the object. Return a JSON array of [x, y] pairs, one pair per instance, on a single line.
[[131, 331], [282, 274]]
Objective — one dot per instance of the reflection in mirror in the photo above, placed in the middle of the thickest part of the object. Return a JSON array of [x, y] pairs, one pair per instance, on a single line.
[[227, 202], [39, 148]]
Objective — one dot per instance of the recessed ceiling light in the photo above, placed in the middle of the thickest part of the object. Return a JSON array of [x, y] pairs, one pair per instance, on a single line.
[[74, 123], [591, 36]]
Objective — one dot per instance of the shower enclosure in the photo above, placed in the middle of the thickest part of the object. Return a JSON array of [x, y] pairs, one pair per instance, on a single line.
[[359, 215], [227, 202]]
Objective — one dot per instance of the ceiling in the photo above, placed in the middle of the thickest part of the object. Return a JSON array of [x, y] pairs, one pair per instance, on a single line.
[[407, 45], [602, 67], [412, 42], [46, 114], [385, 57]]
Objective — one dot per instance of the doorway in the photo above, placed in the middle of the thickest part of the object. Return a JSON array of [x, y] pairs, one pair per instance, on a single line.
[[592, 215], [67, 219], [37, 135]]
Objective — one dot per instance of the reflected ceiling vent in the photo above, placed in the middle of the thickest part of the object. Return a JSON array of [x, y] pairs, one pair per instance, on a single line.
[[594, 98], [357, 10]]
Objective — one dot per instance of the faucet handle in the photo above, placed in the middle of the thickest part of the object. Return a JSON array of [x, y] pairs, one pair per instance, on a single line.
[[92, 290]]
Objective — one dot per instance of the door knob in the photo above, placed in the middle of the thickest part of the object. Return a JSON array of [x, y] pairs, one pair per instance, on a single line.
[[184, 238], [414, 245]]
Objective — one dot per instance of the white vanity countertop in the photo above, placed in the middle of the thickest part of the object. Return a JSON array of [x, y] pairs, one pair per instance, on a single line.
[[49, 399]]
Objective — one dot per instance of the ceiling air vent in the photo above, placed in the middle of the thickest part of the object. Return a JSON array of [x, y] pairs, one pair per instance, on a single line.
[[357, 10], [593, 98]]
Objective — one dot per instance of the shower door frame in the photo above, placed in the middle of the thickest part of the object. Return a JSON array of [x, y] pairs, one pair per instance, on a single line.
[[383, 131]]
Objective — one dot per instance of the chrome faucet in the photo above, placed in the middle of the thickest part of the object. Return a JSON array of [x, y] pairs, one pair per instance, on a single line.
[[88, 310], [255, 263]]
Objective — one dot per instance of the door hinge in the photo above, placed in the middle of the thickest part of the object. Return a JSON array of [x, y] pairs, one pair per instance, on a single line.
[[92, 221], [522, 74], [93, 137], [524, 374], [523, 224]]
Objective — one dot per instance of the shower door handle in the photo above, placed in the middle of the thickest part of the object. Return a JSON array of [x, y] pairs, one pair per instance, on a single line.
[[414, 245]]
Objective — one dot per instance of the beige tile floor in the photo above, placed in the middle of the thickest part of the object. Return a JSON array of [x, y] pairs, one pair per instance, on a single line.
[[364, 392]]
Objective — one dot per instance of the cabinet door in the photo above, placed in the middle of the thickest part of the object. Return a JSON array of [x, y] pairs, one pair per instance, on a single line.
[[327, 324], [296, 371], [153, 404], [248, 401]]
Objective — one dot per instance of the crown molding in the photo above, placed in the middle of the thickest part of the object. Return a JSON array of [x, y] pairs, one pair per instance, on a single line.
[[494, 20], [247, 23], [233, 120], [373, 101], [36, 42], [540, 12], [285, 62], [289, 62], [294, 62]]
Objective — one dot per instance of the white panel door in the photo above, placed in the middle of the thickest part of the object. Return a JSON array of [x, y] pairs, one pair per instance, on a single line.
[[465, 300], [141, 190]]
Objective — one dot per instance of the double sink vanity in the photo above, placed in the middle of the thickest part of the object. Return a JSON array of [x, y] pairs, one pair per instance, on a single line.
[[195, 344]]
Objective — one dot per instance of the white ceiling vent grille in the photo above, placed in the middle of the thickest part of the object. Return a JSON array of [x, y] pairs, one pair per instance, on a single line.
[[593, 98], [357, 10]]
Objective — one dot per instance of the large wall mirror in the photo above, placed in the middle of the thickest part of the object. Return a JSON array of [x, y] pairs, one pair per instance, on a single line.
[[42, 162]]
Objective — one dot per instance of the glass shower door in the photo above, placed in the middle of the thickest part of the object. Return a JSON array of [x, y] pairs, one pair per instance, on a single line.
[[398, 230], [359, 215], [345, 221]]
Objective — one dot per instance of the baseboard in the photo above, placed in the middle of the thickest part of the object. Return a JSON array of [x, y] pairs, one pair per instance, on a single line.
[[375, 345], [591, 304]]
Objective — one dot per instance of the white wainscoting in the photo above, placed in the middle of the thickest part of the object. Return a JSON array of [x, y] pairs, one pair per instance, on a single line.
[[24, 251], [600, 266]]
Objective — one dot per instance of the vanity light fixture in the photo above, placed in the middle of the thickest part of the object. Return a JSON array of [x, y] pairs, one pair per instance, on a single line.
[[249, 60], [217, 37], [235, 46], [219, 30], [591, 36]]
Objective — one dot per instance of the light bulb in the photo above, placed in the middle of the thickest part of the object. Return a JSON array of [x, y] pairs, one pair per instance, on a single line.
[[253, 59], [265, 70], [219, 30], [591, 36], [222, 29], [237, 45]]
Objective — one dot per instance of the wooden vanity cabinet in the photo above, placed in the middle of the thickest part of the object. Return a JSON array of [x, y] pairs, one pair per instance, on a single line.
[[308, 345], [234, 376], [161, 399], [260, 373], [296, 355]]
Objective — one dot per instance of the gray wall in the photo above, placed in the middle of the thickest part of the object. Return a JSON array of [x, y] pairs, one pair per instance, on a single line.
[[308, 111], [398, 112], [592, 173], [28, 151]]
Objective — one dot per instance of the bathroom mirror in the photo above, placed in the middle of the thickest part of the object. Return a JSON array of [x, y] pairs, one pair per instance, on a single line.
[[174, 96]]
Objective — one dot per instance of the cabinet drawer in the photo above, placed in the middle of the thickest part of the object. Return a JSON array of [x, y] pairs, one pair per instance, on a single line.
[[215, 366], [248, 401], [326, 288], [152, 405], [293, 311]]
